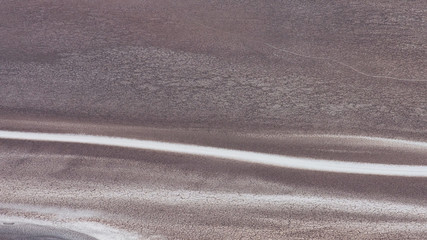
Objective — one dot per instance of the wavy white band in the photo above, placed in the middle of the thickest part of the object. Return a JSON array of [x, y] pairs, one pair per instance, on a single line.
[[237, 155]]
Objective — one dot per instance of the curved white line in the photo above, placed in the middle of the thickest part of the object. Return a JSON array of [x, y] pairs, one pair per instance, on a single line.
[[312, 57], [238, 155], [344, 65]]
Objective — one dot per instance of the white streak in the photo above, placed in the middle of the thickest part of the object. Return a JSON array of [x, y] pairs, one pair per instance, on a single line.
[[89, 228], [346, 65], [238, 155]]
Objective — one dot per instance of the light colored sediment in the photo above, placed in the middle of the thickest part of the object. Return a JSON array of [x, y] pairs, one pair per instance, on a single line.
[[238, 155]]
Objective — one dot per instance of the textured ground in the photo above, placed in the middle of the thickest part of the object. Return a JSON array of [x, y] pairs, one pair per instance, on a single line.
[[237, 74], [209, 64], [172, 196]]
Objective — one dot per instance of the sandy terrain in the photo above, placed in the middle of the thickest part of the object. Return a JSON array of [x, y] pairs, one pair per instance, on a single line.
[[206, 64], [342, 80], [173, 196]]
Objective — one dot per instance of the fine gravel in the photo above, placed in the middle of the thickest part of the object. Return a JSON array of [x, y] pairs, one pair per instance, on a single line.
[[319, 79], [174, 196], [219, 64]]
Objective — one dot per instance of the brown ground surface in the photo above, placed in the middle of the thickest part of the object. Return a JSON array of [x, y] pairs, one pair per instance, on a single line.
[[239, 74], [188, 197], [207, 63]]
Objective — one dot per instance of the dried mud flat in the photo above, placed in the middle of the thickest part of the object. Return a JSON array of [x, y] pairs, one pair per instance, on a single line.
[[235, 74]]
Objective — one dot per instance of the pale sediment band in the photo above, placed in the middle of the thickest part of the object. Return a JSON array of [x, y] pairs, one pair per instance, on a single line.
[[276, 160]]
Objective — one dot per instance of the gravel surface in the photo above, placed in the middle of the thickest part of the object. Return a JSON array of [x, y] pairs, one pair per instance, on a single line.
[[296, 77], [211, 64]]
